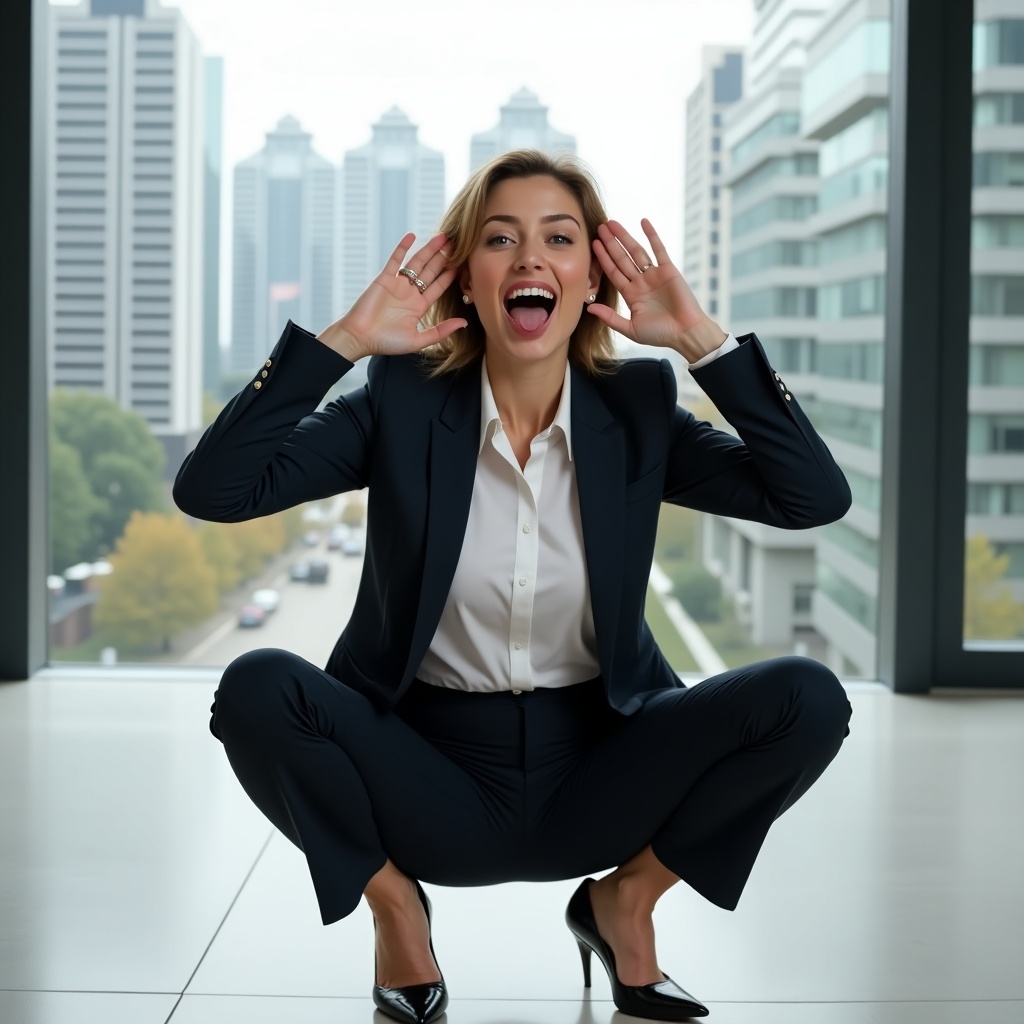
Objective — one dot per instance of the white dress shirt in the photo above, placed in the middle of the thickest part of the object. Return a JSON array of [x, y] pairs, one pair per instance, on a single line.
[[518, 615]]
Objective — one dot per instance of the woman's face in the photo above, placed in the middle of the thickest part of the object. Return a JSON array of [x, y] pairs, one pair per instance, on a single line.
[[534, 239]]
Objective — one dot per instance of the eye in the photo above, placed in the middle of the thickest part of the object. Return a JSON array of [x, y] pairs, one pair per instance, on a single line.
[[562, 239], [498, 240]]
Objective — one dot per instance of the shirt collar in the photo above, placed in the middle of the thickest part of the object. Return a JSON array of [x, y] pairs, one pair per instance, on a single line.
[[490, 421]]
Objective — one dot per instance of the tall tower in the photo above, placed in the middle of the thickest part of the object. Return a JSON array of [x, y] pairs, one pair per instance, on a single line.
[[390, 186], [523, 124], [213, 145], [125, 211], [283, 243], [705, 251], [770, 187]]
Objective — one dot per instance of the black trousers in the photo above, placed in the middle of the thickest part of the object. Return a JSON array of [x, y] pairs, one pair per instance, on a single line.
[[478, 788]]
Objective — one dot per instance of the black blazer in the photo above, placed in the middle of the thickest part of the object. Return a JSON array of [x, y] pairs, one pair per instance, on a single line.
[[414, 442]]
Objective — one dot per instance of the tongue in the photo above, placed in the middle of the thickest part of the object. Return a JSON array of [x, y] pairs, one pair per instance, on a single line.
[[528, 318]]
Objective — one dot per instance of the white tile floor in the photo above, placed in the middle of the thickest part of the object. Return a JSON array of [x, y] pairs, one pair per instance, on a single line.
[[139, 886]]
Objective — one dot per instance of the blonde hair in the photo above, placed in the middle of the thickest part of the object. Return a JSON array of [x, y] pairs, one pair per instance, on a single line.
[[591, 346]]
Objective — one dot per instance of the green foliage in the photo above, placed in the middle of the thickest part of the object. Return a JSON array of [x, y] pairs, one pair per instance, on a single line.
[[698, 591], [160, 584], [354, 512], [73, 509], [121, 463], [990, 612], [677, 535]]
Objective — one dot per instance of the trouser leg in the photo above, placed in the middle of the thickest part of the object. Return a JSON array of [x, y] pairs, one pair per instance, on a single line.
[[700, 774], [351, 785]]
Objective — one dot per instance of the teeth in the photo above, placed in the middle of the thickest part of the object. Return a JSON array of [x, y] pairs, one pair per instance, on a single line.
[[520, 293]]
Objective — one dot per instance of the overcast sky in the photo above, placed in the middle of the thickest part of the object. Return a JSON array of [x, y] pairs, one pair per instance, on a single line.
[[614, 73]]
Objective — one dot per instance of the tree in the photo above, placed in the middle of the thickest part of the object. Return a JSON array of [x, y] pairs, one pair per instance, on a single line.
[[120, 458], [73, 509], [222, 553], [257, 541], [354, 512], [698, 591], [990, 612], [160, 583]]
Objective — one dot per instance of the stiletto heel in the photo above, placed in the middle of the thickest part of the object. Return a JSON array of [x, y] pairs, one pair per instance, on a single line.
[[412, 1004], [664, 1000], [585, 952]]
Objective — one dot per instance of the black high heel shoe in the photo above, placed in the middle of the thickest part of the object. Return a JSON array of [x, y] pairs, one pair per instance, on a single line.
[[412, 1004], [664, 1000]]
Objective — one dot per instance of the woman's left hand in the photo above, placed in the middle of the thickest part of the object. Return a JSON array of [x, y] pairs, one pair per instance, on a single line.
[[662, 308]]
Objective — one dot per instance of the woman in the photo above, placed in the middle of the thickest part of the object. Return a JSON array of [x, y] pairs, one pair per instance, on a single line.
[[496, 708]]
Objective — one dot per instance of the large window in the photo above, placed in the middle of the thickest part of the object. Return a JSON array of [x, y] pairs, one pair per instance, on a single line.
[[994, 518]]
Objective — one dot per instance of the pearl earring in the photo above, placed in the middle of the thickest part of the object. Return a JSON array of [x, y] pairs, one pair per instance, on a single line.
[[466, 299], [592, 297]]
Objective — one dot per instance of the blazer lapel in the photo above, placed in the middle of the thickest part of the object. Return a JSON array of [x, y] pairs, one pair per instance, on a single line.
[[599, 452], [454, 447]]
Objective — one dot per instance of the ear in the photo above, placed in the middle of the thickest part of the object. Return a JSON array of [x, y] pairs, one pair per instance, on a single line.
[[464, 283], [594, 280]]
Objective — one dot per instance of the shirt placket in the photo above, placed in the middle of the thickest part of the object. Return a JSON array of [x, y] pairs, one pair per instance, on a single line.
[[527, 557]]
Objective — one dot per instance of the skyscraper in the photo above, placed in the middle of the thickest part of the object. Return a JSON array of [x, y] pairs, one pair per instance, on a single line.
[[390, 186], [283, 243], [125, 209], [213, 145], [705, 251], [770, 174], [523, 124], [808, 173]]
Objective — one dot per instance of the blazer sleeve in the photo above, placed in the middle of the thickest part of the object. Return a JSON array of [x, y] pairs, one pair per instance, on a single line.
[[778, 471], [269, 448]]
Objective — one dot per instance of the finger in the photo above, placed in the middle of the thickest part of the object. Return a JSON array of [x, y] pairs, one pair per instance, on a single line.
[[422, 257], [636, 252], [438, 286], [614, 320], [657, 246], [625, 250], [397, 258], [432, 335], [436, 265], [608, 265]]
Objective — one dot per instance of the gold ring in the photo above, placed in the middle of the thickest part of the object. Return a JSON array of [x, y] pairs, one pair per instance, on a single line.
[[411, 274]]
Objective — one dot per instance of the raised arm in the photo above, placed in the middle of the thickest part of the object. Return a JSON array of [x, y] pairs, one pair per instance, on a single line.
[[269, 449], [778, 471]]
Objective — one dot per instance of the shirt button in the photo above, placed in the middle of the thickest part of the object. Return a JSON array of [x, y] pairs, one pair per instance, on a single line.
[[526, 527], [522, 581]]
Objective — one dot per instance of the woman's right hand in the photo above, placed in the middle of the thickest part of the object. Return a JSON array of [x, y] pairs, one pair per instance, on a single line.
[[384, 320]]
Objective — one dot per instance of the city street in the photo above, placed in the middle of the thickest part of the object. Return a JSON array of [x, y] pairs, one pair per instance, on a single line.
[[307, 621]]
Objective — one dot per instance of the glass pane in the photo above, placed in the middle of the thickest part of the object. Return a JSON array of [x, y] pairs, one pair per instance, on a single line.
[[994, 530], [805, 201], [204, 186]]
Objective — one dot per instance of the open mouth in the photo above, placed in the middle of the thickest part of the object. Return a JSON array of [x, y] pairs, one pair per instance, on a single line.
[[530, 308]]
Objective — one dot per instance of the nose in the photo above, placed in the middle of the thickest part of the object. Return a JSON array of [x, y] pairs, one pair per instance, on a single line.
[[530, 255]]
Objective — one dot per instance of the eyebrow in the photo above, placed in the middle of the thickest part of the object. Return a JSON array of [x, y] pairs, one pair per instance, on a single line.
[[508, 219]]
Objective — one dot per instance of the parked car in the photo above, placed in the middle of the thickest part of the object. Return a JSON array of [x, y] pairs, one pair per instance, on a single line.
[[267, 599], [318, 570], [336, 538], [250, 615], [299, 571], [352, 546], [311, 538]]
